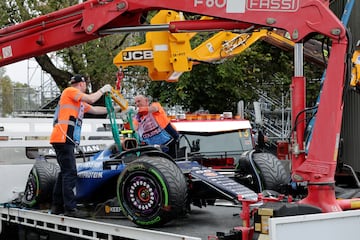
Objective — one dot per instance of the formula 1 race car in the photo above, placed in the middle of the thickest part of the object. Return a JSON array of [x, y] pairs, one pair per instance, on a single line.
[[149, 186]]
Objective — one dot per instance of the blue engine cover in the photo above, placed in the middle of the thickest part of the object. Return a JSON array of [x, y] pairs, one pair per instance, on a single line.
[[92, 175]]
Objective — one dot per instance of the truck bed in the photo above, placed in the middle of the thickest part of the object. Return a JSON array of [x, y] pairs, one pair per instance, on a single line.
[[199, 224]]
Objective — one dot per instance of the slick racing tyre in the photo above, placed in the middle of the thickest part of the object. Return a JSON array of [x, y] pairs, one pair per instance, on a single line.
[[40, 183], [152, 191], [272, 171]]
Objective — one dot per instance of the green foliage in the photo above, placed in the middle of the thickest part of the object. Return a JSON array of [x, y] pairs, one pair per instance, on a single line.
[[6, 94], [93, 59], [16, 95]]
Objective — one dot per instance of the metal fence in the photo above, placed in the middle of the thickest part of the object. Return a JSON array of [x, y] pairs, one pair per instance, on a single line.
[[28, 99]]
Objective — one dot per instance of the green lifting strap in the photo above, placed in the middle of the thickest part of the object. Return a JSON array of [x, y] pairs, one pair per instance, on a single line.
[[112, 117], [130, 115]]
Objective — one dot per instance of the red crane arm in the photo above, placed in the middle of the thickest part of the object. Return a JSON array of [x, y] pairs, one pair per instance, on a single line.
[[83, 22], [64, 28]]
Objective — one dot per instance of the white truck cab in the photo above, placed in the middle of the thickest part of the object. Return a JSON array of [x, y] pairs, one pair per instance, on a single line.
[[218, 142]]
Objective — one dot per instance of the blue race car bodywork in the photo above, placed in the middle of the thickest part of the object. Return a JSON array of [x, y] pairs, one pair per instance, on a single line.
[[148, 185]]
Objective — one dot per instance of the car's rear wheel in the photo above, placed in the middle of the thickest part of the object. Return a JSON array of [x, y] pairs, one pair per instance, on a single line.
[[272, 171], [152, 191], [40, 183]]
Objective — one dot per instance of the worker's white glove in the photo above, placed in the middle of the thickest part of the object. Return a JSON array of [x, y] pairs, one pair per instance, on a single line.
[[133, 109], [105, 88]]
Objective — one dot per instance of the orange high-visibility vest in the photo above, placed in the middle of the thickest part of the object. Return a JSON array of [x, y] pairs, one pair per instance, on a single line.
[[67, 115]]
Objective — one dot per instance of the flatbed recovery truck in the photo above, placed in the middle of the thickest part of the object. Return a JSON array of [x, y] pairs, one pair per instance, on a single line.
[[200, 224], [24, 224], [76, 24]]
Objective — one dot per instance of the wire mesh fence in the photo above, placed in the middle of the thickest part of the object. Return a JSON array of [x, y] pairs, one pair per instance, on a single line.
[[26, 99]]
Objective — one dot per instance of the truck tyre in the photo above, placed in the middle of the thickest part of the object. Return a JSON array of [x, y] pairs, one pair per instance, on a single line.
[[40, 183], [152, 191], [272, 171]]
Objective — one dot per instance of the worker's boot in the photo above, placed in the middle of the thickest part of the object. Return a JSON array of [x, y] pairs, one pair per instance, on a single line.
[[55, 209], [77, 213]]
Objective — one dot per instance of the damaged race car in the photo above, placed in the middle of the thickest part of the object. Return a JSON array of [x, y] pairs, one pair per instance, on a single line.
[[150, 188], [146, 184]]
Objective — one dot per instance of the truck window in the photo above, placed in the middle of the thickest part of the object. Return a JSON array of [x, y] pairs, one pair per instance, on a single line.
[[230, 144]]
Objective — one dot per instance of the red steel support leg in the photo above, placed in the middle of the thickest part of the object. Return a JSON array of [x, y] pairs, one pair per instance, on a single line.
[[322, 196], [298, 121], [320, 165]]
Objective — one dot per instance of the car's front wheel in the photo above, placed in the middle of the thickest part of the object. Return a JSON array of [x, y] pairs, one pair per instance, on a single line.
[[152, 191]]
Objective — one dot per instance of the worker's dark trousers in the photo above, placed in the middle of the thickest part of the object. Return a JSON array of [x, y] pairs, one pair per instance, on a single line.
[[173, 145], [172, 148], [64, 189]]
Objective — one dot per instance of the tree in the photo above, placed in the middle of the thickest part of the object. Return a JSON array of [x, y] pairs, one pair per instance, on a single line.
[[6, 90], [92, 59]]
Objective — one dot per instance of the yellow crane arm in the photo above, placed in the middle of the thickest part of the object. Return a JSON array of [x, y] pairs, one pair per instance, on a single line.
[[157, 53], [167, 55]]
